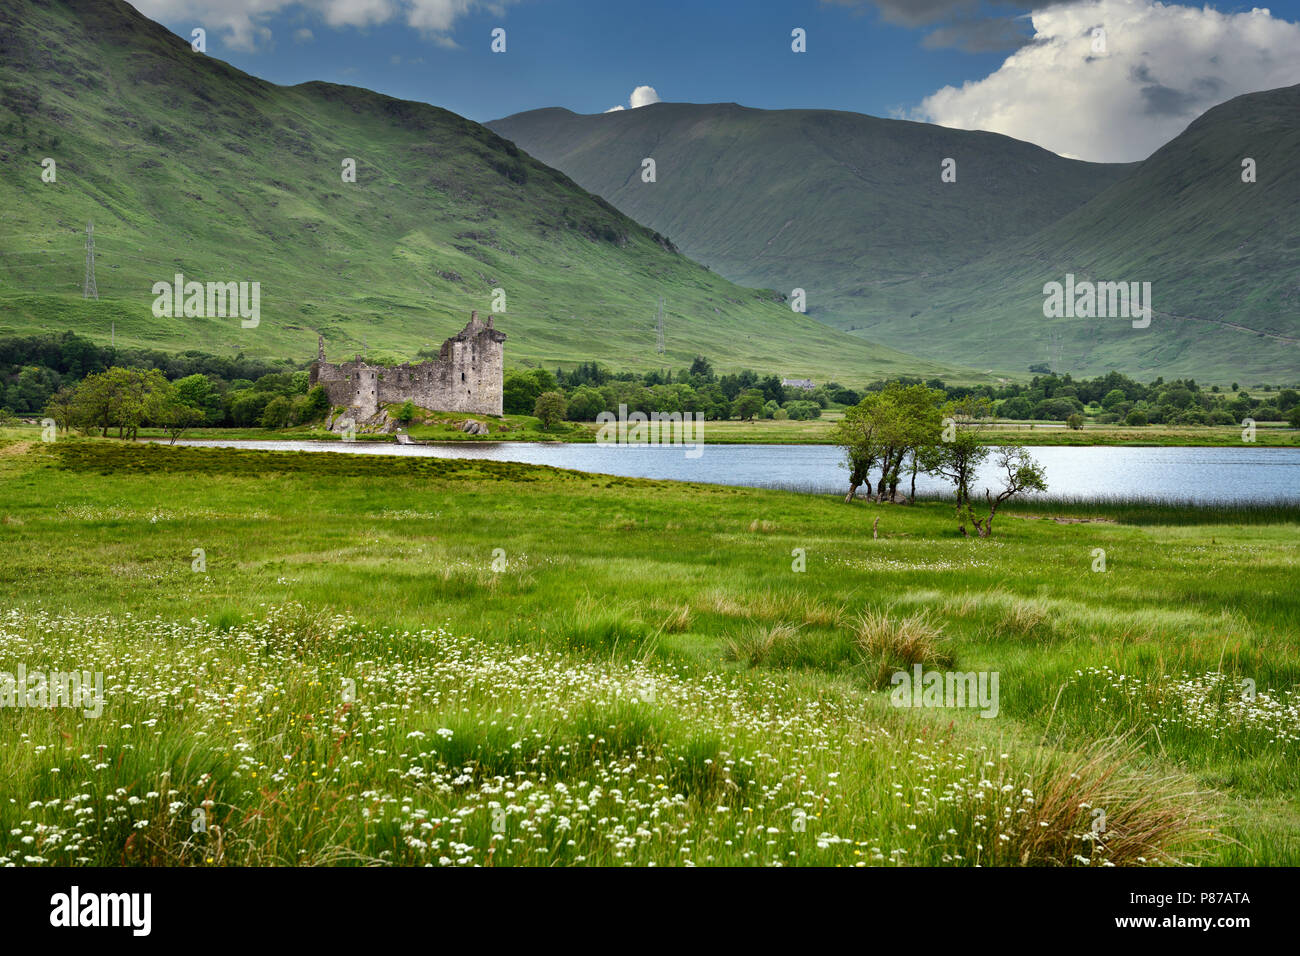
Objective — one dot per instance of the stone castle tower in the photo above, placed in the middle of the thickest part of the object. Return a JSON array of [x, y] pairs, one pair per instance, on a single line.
[[465, 377]]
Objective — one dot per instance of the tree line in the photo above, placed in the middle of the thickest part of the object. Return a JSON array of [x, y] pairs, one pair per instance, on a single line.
[[589, 389], [34, 367], [125, 399]]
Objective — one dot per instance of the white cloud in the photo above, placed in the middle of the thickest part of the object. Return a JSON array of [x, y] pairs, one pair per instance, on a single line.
[[241, 24], [436, 16], [1164, 65], [641, 96], [303, 35], [355, 13]]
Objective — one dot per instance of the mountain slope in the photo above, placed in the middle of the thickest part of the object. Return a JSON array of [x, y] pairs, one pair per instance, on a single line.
[[851, 208], [189, 166], [1222, 257], [831, 202]]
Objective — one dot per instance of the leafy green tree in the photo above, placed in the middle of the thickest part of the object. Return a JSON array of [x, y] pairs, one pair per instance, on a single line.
[[279, 383], [912, 421], [772, 389], [957, 461], [59, 408], [1075, 421], [1136, 417], [247, 406], [115, 398], [166, 409], [747, 404], [702, 369], [277, 412], [585, 404], [197, 391], [315, 405], [1112, 398], [1020, 473], [406, 412], [1015, 408], [519, 392], [31, 389], [858, 434], [550, 408]]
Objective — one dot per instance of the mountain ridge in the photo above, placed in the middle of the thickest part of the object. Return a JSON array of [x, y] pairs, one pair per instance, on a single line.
[[960, 279], [189, 165]]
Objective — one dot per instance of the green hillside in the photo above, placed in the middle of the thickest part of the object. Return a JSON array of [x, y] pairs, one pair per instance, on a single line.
[[1223, 258], [188, 165], [831, 202], [851, 208]]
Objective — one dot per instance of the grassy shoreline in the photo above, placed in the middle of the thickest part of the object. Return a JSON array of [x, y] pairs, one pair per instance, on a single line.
[[648, 639], [525, 428]]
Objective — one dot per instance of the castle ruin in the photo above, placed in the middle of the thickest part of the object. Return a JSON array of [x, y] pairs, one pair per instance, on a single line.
[[465, 377]]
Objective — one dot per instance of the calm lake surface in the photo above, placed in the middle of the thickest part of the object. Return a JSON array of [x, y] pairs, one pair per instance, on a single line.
[[1201, 474]]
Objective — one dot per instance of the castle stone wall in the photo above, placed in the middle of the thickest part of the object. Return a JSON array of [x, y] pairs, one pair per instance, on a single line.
[[466, 376]]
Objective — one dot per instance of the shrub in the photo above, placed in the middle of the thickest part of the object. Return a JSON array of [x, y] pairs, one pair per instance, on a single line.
[[803, 411], [1136, 417]]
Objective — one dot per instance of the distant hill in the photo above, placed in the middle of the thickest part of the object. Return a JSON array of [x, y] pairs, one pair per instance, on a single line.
[[188, 165], [852, 209], [832, 202], [1223, 258]]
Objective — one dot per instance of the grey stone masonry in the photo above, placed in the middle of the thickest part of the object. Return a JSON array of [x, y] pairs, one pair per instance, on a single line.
[[465, 377]]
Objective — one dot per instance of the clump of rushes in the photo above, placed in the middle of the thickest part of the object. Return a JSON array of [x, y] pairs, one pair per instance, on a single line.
[[1025, 618], [891, 644], [1097, 807], [678, 619], [757, 642]]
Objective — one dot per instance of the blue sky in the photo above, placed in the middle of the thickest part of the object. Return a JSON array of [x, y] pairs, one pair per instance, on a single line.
[[883, 57]]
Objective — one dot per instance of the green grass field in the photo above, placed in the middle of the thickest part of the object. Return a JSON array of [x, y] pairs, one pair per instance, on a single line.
[[412, 661]]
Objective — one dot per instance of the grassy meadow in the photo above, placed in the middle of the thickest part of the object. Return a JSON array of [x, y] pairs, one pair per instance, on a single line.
[[433, 661]]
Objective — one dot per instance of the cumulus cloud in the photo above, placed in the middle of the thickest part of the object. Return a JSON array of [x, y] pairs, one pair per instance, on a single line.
[[641, 96], [303, 35], [1163, 65], [241, 24]]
